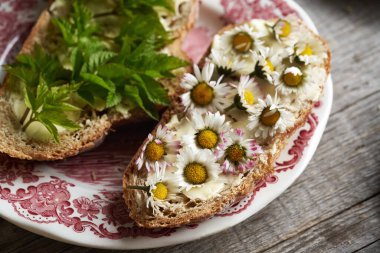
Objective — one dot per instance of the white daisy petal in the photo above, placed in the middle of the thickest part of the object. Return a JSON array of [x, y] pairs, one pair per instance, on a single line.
[[161, 187], [206, 131], [157, 150], [204, 94], [225, 53], [197, 169], [269, 117], [308, 86], [238, 153]]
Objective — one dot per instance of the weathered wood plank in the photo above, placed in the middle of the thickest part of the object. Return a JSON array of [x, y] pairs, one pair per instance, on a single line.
[[336, 200], [372, 248], [347, 231]]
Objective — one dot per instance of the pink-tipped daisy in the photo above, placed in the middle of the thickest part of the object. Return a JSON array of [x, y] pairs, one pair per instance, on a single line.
[[157, 150], [239, 153]]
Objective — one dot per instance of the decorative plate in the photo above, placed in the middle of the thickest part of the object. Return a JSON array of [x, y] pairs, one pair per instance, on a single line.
[[79, 200]]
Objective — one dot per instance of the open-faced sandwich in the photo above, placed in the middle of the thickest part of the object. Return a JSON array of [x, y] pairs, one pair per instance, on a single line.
[[86, 66], [223, 134]]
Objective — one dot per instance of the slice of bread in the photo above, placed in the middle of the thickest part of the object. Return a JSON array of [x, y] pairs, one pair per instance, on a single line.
[[16, 143], [181, 210]]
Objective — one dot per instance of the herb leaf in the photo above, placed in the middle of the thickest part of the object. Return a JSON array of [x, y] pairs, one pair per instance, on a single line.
[[49, 105], [92, 78], [133, 94]]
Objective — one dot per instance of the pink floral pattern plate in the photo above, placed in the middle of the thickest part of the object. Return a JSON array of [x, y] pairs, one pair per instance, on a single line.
[[79, 200]]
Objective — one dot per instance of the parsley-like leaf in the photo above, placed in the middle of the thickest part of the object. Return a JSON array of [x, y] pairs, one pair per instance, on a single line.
[[133, 94], [49, 105]]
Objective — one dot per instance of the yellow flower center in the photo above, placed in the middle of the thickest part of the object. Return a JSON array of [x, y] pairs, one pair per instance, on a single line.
[[154, 151], [235, 153], [202, 94], [269, 117], [286, 28], [292, 79], [249, 97], [195, 173], [242, 42], [207, 138], [269, 64], [160, 192], [307, 50]]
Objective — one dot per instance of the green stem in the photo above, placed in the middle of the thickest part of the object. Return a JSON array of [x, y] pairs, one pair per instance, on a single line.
[[138, 187], [24, 116], [104, 14], [229, 108], [32, 119], [278, 21], [104, 36]]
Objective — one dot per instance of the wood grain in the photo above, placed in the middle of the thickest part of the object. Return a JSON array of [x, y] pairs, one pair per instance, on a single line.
[[335, 205]]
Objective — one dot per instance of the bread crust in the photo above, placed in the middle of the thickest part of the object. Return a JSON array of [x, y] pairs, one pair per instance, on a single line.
[[132, 176], [15, 143]]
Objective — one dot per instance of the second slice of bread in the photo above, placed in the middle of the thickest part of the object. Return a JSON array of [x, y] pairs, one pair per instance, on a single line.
[[16, 143]]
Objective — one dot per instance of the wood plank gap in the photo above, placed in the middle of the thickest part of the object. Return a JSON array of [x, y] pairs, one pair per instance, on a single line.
[[323, 220], [366, 246]]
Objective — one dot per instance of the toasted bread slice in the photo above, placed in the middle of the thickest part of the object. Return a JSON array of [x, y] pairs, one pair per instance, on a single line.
[[16, 143], [181, 209]]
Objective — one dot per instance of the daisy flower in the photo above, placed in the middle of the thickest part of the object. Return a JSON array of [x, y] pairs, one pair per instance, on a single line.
[[162, 187], [159, 187], [239, 153], [197, 174], [266, 61], [308, 51], [284, 30], [203, 94], [268, 117], [206, 131], [248, 92], [227, 65], [303, 82], [157, 150], [237, 43]]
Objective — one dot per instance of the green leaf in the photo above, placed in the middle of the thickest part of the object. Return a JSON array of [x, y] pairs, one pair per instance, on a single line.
[[86, 95], [29, 98], [126, 47], [27, 75], [163, 62], [145, 59], [59, 120], [26, 59], [69, 107], [114, 70], [82, 19], [113, 99], [61, 107], [98, 59], [143, 23], [77, 61], [153, 89], [133, 95], [49, 126], [66, 30], [92, 78], [42, 89]]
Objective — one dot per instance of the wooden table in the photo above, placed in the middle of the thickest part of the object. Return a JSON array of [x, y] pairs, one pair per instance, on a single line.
[[335, 205]]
